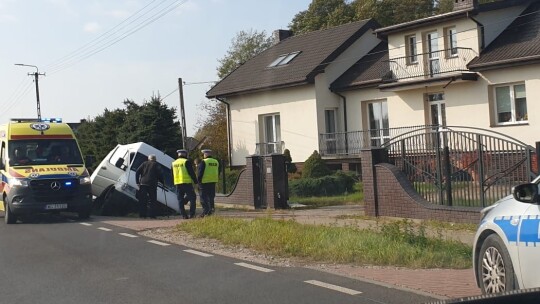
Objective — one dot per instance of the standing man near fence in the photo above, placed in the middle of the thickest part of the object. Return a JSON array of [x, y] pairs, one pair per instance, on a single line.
[[184, 177], [208, 175], [147, 176]]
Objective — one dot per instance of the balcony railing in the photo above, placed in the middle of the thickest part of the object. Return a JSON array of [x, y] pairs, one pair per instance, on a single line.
[[427, 65], [269, 148], [352, 143]]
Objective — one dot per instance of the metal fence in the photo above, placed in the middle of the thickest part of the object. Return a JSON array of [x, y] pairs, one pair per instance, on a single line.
[[460, 166], [352, 143], [429, 64], [269, 148]]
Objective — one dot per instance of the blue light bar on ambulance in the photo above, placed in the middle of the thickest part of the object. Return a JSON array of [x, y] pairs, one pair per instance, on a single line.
[[58, 120], [67, 184]]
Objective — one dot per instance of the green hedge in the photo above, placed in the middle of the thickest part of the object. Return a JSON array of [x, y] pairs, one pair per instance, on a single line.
[[336, 184], [231, 178]]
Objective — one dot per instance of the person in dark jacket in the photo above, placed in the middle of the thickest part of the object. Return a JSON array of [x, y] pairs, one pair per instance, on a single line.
[[147, 176], [184, 177], [208, 175]]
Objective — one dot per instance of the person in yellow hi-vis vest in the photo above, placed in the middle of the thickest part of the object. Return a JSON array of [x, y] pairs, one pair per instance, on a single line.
[[184, 177], [207, 174]]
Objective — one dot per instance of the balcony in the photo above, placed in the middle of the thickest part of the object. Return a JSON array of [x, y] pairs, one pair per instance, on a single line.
[[348, 144], [269, 148], [428, 65]]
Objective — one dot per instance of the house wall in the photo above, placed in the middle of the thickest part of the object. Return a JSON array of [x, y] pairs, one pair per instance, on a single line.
[[467, 103], [297, 109], [350, 56], [467, 37], [496, 21]]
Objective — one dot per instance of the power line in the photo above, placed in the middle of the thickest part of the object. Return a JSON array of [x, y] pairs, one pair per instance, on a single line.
[[97, 49]]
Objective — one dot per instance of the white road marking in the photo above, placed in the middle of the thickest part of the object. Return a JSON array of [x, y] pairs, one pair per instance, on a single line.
[[104, 229], [206, 255], [258, 268], [158, 243], [334, 287], [86, 224], [128, 235]]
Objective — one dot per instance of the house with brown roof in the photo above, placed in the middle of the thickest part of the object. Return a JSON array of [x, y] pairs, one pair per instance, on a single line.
[[355, 86], [476, 66], [281, 98]]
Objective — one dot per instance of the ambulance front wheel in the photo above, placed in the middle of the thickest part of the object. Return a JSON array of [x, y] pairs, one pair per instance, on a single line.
[[9, 217], [84, 214]]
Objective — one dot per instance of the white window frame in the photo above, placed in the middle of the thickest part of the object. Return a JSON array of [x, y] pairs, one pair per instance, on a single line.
[[451, 41], [514, 120], [378, 137], [411, 49], [283, 59]]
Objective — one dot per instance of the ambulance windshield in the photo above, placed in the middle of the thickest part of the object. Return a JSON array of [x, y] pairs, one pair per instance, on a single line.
[[44, 152]]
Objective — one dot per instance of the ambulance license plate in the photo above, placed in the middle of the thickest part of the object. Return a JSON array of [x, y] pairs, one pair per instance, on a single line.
[[55, 206]]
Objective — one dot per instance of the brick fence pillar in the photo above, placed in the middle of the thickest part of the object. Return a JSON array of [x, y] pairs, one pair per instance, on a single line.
[[276, 180], [369, 158]]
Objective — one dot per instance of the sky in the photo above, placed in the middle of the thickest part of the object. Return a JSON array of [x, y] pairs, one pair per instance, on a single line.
[[97, 53]]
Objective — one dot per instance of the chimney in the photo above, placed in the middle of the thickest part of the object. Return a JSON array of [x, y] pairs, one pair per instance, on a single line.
[[465, 4], [280, 35]]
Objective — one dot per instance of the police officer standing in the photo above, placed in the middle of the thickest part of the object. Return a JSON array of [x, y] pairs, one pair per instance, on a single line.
[[147, 176], [184, 177], [208, 171]]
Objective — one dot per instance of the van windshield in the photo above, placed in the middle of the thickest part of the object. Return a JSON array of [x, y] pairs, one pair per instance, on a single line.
[[44, 152]]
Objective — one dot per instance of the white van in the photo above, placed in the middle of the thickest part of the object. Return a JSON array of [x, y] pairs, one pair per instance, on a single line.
[[114, 185]]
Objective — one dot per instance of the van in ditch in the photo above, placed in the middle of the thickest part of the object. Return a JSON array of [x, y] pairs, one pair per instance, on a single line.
[[114, 184], [42, 170]]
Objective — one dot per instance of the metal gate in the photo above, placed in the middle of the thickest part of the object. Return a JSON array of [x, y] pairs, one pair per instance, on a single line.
[[461, 166]]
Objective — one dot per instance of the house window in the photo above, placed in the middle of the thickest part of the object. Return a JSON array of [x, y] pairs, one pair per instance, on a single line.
[[283, 59], [451, 42], [330, 136], [433, 53], [271, 131], [511, 104], [378, 123], [412, 53]]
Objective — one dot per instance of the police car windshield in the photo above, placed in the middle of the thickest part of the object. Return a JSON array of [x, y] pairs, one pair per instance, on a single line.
[[44, 152]]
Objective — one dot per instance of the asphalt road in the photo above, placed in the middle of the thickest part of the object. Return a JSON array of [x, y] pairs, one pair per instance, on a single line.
[[57, 259]]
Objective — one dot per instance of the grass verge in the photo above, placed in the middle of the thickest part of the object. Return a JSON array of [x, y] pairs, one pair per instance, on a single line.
[[397, 244], [355, 197]]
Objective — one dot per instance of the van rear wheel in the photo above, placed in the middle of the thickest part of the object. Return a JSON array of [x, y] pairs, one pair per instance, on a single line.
[[9, 217]]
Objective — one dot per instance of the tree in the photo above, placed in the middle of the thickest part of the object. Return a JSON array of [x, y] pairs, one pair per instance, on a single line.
[[212, 128], [244, 46], [153, 123], [322, 14]]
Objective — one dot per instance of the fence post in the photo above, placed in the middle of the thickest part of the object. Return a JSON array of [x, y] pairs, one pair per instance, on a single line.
[[448, 175], [537, 157], [439, 167], [481, 169]]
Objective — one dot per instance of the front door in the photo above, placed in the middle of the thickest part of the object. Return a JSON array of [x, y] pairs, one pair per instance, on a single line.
[[378, 123], [110, 170]]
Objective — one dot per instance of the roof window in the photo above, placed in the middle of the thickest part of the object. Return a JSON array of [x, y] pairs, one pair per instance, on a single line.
[[283, 59]]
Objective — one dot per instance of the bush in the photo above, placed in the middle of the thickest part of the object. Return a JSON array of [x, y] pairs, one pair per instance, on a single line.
[[336, 184], [231, 178], [314, 167]]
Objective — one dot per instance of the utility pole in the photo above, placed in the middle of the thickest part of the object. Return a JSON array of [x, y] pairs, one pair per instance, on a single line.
[[182, 113], [36, 80]]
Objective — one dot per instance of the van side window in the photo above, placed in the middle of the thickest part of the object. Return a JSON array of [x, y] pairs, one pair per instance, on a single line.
[[120, 153], [138, 160]]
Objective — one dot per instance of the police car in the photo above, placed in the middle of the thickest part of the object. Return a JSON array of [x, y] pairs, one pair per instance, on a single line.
[[507, 243]]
